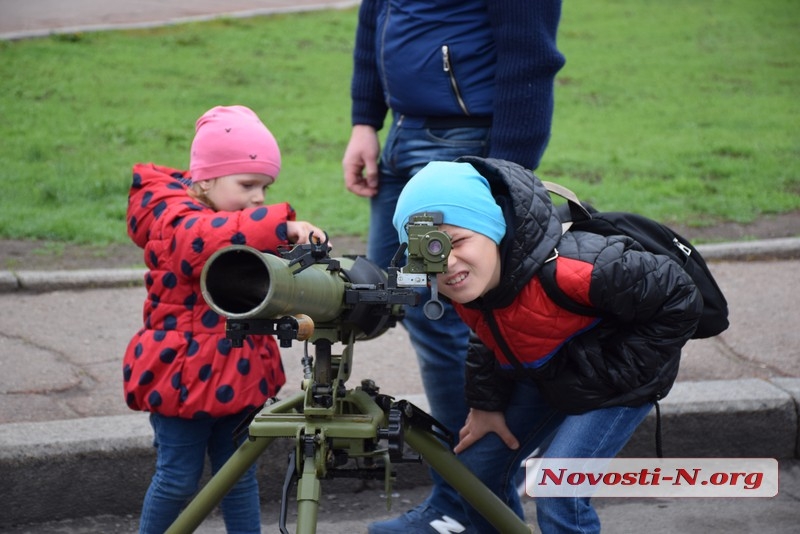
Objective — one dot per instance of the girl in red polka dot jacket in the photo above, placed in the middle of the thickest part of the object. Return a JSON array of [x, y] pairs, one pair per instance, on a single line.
[[180, 367]]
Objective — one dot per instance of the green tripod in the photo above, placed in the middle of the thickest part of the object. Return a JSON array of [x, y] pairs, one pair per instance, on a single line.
[[325, 437], [329, 423]]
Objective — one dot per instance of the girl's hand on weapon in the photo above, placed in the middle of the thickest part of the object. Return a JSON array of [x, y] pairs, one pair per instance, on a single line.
[[478, 424], [299, 232]]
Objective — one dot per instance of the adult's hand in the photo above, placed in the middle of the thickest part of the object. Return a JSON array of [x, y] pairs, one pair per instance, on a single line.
[[360, 161]]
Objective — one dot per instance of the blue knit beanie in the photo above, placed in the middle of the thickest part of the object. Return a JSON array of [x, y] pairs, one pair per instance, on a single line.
[[459, 192]]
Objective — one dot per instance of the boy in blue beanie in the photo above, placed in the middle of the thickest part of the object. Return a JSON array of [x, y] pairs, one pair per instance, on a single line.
[[538, 375], [443, 79]]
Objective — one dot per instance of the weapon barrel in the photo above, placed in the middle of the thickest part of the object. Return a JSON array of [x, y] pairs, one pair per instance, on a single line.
[[239, 282]]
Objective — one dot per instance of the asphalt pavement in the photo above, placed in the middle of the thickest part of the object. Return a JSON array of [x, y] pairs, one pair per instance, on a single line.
[[74, 459], [38, 18]]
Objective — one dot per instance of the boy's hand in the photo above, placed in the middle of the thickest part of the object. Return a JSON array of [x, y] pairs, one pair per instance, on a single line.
[[479, 423]]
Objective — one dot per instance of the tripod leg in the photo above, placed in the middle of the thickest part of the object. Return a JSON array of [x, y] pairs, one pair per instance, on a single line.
[[219, 485], [467, 484], [308, 492]]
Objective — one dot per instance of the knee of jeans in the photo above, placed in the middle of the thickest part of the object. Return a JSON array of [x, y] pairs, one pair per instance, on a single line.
[[177, 485], [489, 459], [247, 482]]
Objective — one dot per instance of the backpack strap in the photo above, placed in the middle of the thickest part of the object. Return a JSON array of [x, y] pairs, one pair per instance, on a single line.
[[577, 210], [547, 276], [547, 273], [659, 439], [501, 342]]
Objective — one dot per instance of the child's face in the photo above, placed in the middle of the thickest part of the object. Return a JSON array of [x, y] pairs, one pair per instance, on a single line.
[[473, 267], [236, 191]]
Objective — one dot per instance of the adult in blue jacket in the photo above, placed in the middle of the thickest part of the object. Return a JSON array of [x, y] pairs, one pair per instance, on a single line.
[[460, 77]]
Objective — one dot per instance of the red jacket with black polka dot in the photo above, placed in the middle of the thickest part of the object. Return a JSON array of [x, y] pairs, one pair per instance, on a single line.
[[180, 364]]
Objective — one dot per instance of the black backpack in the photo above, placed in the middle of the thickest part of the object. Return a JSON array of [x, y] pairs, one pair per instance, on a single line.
[[654, 237]]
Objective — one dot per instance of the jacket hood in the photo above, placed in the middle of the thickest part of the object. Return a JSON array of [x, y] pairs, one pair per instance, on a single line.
[[533, 227], [154, 187]]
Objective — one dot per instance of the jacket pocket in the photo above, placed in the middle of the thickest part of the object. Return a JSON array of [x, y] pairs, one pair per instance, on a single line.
[[447, 67]]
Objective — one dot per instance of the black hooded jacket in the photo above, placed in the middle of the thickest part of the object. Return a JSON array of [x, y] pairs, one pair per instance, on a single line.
[[650, 308]]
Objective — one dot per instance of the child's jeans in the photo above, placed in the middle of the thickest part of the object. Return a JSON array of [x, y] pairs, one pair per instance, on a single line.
[[181, 446], [596, 434]]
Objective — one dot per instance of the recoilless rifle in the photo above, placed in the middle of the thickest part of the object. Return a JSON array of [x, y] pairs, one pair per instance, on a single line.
[[306, 295]]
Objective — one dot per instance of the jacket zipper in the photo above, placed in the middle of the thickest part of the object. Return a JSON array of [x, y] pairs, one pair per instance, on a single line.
[[447, 67]]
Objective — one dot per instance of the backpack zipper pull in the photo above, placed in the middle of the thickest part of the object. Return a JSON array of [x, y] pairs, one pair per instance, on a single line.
[[683, 248]]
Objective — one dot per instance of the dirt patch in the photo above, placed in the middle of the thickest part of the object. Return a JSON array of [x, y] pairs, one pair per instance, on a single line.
[[20, 255]]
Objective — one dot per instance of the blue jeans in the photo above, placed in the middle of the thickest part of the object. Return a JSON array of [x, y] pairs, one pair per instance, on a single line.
[[181, 446], [441, 346], [596, 434]]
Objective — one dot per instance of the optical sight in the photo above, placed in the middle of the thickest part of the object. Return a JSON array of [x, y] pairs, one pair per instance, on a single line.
[[428, 250]]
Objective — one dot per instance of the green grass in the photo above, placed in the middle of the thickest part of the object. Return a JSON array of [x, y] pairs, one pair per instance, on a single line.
[[686, 111]]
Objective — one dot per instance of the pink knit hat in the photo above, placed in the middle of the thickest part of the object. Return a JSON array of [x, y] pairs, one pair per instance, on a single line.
[[232, 140]]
